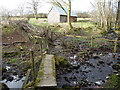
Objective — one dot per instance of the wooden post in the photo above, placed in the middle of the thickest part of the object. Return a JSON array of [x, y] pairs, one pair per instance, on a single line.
[[91, 41], [21, 55], [46, 41], [33, 66], [41, 45], [74, 38], [26, 78], [51, 35], [64, 37], [115, 46], [21, 52]]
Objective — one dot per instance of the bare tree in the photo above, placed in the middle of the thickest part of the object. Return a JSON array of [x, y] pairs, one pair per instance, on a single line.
[[69, 14], [21, 9], [5, 14], [117, 23], [15, 12], [105, 13], [34, 6]]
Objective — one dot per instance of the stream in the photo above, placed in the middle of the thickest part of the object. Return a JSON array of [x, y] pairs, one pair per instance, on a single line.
[[12, 81], [93, 72], [16, 83]]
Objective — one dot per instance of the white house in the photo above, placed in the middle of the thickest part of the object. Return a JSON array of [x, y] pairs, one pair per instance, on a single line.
[[58, 15]]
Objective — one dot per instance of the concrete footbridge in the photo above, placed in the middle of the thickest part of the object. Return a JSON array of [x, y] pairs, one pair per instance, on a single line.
[[46, 75]]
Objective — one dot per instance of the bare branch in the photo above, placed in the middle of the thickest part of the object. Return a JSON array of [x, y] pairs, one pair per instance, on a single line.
[[64, 2]]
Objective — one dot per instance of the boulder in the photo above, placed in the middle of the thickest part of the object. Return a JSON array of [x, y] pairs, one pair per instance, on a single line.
[[101, 62], [14, 73], [99, 83], [116, 66], [10, 78], [109, 63], [95, 56], [4, 70]]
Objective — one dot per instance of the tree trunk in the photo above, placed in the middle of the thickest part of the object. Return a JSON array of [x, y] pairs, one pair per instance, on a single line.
[[35, 15], [109, 16], [117, 23], [69, 14]]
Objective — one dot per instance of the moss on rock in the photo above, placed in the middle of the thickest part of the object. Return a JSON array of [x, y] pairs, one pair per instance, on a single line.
[[62, 61]]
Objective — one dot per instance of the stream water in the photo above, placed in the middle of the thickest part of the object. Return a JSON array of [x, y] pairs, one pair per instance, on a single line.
[[94, 72], [13, 81], [16, 83]]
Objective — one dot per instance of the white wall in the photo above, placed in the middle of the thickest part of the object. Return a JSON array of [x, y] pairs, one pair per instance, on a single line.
[[53, 16]]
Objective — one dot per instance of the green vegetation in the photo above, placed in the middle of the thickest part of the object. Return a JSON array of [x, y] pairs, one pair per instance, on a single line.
[[8, 29], [25, 65], [96, 42], [113, 82], [116, 66], [39, 25], [62, 61], [14, 60], [61, 30], [26, 78], [82, 39], [10, 54], [29, 85], [40, 72], [41, 22], [83, 24]]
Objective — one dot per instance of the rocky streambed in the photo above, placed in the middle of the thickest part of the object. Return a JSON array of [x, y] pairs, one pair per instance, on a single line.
[[12, 77], [14, 69], [93, 72], [88, 67]]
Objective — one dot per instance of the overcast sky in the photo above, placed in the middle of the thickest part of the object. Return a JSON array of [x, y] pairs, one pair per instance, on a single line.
[[77, 5]]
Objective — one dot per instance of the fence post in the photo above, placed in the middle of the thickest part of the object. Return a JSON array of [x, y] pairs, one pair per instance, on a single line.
[[41, 43], [91, 43], [64, 37], [46, 41], [26, 79], [51, 35], [115, 45], [33, 66]]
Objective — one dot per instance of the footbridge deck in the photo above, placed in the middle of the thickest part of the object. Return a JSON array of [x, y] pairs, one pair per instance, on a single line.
[[46, 75]]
